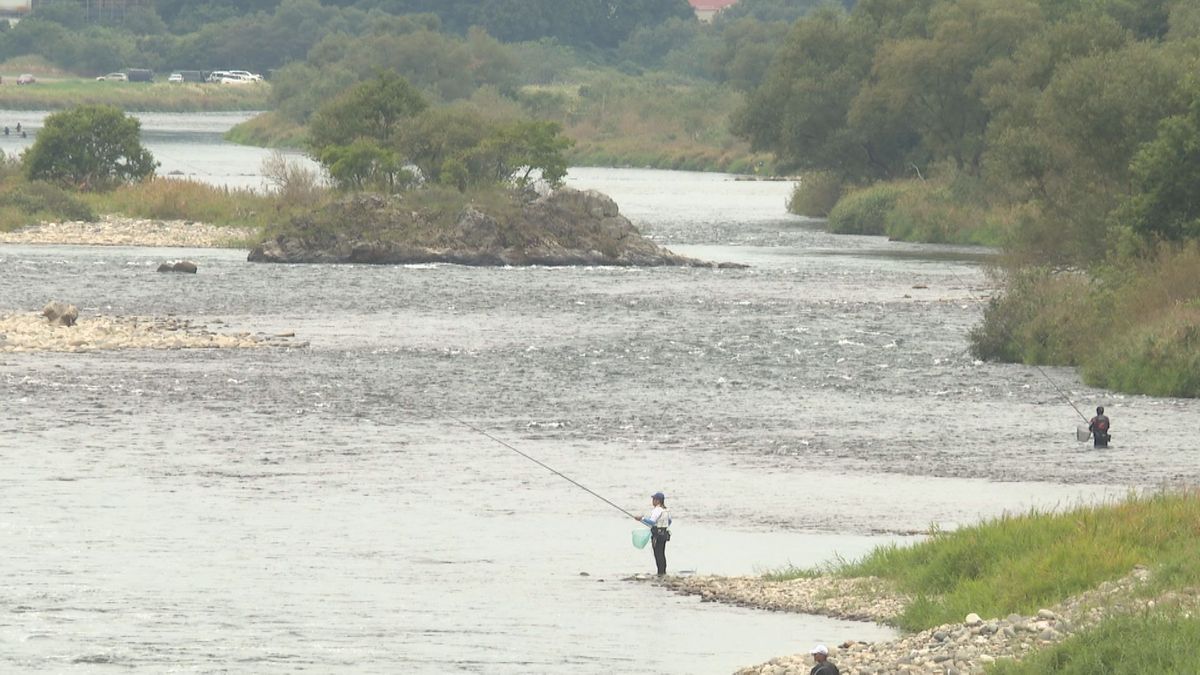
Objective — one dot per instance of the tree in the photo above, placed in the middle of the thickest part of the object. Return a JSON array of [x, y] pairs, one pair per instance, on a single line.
[[374, 109], [1166, 178], [89, 147]]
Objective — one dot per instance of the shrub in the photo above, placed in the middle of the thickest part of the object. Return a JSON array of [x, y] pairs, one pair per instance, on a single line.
[[1158, 358], [26, 202], [89, 147], [865, 211], [1043, 317], [815, 194]]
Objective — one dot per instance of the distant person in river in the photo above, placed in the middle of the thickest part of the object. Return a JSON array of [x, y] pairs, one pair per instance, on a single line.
[[659, 522], [820, 654], [1099, 428]]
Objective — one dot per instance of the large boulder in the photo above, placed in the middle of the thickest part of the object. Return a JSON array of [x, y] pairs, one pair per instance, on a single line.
[[60, 313]]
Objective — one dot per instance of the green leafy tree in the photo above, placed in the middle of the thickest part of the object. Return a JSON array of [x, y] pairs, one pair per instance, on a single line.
[[1166, 178], [89, 147], [375, 109], [514, 152], [358, 135]]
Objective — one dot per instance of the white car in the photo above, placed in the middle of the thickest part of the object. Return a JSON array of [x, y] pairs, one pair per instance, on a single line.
[[113, 77], [246, 75], [175, 77]]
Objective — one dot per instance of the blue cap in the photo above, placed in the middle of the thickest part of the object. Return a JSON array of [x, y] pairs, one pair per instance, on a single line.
[[659, 496]]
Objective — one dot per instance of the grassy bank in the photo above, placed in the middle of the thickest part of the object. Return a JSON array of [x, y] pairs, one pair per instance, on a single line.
[[1134, 645], [954, 210], [1019, 564], [1136, 329], [59, 94]]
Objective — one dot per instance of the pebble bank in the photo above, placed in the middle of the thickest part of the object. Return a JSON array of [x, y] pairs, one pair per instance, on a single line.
[[951, 649], [122, 231], [31, 332]]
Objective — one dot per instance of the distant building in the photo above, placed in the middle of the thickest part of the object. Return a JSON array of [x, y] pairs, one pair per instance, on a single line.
[[707, 9], [13, 11]]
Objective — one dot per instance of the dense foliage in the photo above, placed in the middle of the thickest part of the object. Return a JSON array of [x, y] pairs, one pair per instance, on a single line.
[[90, 147], [370, 134]]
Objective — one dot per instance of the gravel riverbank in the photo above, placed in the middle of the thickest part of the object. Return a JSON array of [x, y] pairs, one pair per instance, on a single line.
[[951, 649], [121, 231], [31, 332]]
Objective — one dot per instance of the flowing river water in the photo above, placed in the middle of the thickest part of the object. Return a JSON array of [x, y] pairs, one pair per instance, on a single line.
[[323, 508]]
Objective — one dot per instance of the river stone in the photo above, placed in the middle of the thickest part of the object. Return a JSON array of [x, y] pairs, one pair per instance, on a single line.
[[60, 313], [184, 266], [1046, 614], [940, 635], [973, 620]]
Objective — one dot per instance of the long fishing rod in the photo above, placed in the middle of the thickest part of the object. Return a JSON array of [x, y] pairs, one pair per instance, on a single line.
[[545, 466], [1054, 384]]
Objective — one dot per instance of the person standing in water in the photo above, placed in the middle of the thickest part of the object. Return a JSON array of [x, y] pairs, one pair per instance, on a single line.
[[659, 522], [1099, 428]]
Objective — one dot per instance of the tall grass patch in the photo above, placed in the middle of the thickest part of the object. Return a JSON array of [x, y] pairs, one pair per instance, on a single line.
[[172, 199], [1159, 642], [1021, 563]]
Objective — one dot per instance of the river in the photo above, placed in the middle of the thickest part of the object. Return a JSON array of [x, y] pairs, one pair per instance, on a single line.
[[327, 509]]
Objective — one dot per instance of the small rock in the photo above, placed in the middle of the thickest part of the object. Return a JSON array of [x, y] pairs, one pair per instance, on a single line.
[[1046, 614], [972, 620]]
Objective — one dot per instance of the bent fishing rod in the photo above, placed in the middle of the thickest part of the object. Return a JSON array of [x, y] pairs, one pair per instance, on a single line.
[[545, 466]]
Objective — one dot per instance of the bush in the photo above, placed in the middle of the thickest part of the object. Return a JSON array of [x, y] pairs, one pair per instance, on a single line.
[[945, 212], [1043, 317], [816, 194], [1159, 358], [23, 203], [865, 211]]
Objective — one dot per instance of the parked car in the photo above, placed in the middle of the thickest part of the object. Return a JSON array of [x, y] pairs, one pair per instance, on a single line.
[[175, 78], [246, 75], [217, 75], [113, 77], [26, 78]]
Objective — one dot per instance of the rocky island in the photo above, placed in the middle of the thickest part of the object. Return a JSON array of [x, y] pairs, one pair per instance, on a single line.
[[564, 227]]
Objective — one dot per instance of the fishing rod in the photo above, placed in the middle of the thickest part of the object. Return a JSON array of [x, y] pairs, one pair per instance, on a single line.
[[1054, 384], [545, 466]]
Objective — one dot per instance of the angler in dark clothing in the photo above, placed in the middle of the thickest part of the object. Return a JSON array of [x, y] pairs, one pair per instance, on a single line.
[[820, 654], [1099, 428]]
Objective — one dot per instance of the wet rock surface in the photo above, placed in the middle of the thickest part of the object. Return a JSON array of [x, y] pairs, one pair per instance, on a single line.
[[121, 231], [566, 227]]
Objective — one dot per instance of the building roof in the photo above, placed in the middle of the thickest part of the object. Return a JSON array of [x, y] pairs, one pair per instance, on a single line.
[[711, 5]]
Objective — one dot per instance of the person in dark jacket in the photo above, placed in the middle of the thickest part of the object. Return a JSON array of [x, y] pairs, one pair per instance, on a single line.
[[820, 654], [1099, 428]]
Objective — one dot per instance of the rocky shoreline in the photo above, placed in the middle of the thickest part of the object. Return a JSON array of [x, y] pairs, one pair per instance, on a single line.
[[121, 231], [31, 332], [951, 649]]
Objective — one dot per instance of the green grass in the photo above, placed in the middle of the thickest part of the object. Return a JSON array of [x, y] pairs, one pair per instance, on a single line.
[[269, 130], [1027, 562], [58, 94], [1159, 643]]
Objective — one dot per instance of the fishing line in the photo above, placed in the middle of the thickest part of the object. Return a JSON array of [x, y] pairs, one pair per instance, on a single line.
[[544, 466], [1054, 384]]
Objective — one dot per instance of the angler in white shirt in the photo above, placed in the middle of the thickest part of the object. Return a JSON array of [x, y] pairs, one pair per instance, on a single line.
[[660, 533]]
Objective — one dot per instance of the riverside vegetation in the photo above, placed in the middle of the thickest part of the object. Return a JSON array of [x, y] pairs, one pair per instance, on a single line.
[[1017, 566], [1064, 133]]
